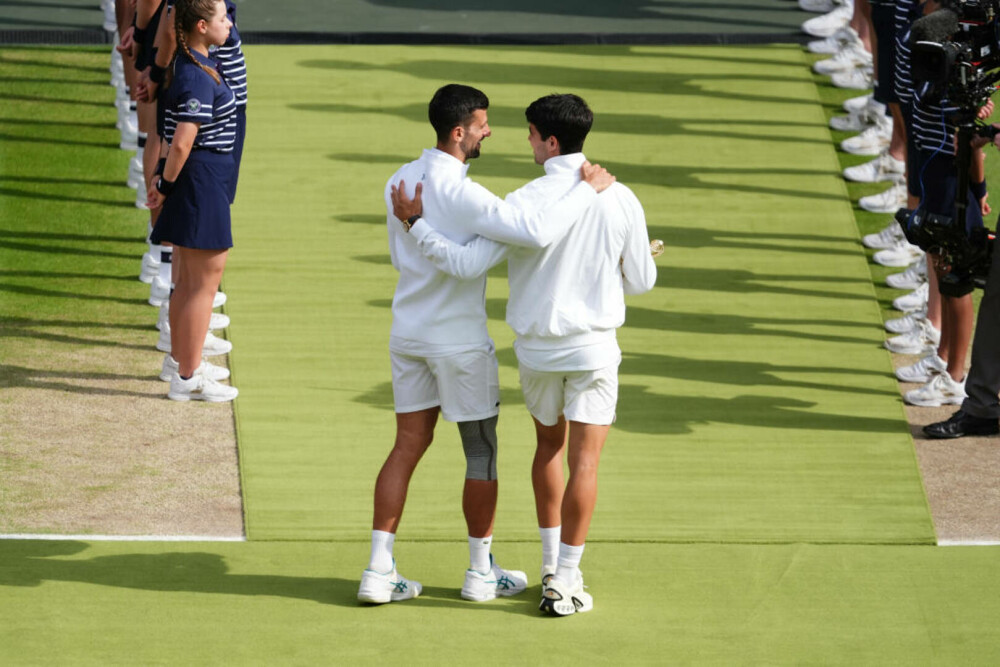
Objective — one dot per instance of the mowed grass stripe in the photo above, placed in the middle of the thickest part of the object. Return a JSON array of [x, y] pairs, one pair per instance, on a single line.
[[101, 603]]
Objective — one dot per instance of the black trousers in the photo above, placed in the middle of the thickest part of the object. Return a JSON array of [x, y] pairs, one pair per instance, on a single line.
[[983, 383]]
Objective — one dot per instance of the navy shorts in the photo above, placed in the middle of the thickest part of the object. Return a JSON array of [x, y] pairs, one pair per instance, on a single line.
[[196, 213]]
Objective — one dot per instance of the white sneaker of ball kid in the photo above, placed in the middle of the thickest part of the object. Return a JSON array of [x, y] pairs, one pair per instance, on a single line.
[[923, 370], [889, 201], [872, 140], [915, 300], [940, 390], [859, 78], [882, 168], [213, 346], [855, 104], [216, 322], [835, 42], [900, 255], [922, 340], [200, 388], [887, 238], [847, 58], [483, 586], [912, 278], [829, 23], [906, 323]]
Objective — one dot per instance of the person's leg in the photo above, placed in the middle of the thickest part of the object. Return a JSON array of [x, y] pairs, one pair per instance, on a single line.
[[861, 21], [547, 478], [191, 304], [380, 583], [564, 593], [960, 321], [414, 434], [585, 444], [933, 297], [897, 144]]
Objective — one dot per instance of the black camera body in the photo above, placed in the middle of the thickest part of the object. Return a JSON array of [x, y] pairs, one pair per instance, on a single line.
[[969, 255]]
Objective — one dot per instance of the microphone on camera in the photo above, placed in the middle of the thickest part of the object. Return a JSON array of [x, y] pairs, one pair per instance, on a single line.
[[937, 26]]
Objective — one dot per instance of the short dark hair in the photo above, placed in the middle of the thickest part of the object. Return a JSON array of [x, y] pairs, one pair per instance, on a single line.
[[567, 117], [453, 105]]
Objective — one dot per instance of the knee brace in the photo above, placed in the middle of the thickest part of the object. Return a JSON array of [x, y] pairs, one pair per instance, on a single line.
[[479, 441]]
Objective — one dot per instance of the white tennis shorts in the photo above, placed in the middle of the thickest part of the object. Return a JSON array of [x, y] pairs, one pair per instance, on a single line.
[[589, 397], [466, 385]]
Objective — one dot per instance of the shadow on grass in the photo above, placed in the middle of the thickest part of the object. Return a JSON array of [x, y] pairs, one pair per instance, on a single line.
[[769, 181], [711, 13], [642, 411], [32, 563], [583, 78], [62, 381]]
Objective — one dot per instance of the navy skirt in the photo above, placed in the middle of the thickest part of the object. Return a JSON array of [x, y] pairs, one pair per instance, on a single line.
[[196, 213]]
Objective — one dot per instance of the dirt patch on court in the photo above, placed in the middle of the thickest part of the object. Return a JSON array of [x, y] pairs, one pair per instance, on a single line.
[[960, 476], [91, 445]]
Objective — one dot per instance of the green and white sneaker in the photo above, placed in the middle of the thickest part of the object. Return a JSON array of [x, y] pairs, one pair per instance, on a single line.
[[378, 588], [563, 599], [483, 586]]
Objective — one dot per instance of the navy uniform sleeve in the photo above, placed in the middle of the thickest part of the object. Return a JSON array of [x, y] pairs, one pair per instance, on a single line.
[[194, 101]]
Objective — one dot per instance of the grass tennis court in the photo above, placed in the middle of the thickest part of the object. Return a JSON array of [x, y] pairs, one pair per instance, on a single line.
[[760, 502]]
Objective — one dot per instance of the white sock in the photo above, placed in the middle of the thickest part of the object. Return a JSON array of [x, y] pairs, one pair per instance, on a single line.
[[569, 562], [381, 558], [479, 553], [550, 544], [166, 263]]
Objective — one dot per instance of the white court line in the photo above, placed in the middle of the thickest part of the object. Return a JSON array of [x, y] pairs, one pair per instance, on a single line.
[[969, 543], [125, 538]]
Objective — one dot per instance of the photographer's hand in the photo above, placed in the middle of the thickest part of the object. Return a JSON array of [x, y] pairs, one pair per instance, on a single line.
[[985, 111], [985, 205]]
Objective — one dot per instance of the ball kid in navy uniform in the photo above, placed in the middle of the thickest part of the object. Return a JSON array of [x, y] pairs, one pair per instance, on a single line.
[[233, 68], [194, 189]]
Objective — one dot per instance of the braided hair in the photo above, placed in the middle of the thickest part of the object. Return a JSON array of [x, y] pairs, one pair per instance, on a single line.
[[187, 13]]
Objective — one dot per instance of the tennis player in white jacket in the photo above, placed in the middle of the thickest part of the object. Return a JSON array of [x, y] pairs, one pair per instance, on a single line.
[[443, 361], [566, 302]]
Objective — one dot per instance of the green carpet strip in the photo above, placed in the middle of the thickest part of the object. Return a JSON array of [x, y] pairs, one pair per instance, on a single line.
[[756, 405]]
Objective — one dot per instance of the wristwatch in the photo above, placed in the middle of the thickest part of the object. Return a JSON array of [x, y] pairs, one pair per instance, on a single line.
[[409, 222]]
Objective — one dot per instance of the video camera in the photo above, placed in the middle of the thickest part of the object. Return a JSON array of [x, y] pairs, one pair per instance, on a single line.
[[956, 52], [968, 255]]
